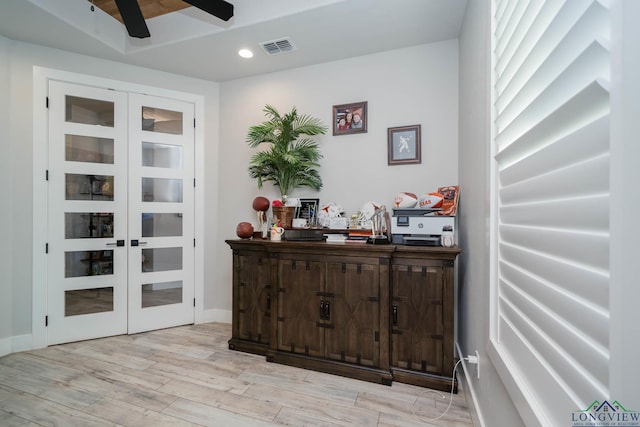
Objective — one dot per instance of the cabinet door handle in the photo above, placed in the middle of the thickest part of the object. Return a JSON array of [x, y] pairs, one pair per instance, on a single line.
[[268, 303], [322, 309], [327, 308], [395, 314]]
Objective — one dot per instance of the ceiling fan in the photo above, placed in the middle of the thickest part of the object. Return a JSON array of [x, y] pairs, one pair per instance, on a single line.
[[137, 27]]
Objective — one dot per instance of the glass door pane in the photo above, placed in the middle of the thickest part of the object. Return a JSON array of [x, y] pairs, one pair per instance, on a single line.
[[90, 111], [161, 155], [80, 148], [162, 293], [88, 225], [161, 120], [161, 224]]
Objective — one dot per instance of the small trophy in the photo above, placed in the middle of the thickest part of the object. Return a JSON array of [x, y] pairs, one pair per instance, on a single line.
[[378, 221]]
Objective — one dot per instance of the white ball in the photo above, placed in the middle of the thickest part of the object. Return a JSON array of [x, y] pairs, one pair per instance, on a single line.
[[430, 200], [405, 200], [368, 210]]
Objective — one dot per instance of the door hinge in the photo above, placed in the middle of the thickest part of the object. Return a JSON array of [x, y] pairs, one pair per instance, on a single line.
[[47, 102], [46, 175], [46, 248], [194, 302], [194, 183], [194, 123], [46, 321], [194, 243]]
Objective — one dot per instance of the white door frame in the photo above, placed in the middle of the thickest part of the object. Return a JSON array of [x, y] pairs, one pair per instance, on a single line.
[[41, 77]]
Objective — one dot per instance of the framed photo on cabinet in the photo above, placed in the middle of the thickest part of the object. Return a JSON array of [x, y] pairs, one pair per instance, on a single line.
[[308, 210]]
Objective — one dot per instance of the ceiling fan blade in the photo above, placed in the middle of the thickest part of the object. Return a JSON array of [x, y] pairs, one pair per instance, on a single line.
[[133, 18], [218, 8]]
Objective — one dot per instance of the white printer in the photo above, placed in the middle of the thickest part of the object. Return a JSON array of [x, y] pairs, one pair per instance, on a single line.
[[418, 226]]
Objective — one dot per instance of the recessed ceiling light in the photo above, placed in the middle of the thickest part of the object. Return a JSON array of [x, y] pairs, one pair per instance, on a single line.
[[245, 53]]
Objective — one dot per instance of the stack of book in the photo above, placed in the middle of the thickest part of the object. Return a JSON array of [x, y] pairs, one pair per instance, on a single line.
[[358, 236]]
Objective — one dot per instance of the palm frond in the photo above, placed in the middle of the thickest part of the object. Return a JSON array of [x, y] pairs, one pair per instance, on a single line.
[[292, 159]]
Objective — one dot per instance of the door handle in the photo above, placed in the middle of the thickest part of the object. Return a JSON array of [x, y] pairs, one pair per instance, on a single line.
[[137, 243], [322, 309], [116, 243], [395, 314]]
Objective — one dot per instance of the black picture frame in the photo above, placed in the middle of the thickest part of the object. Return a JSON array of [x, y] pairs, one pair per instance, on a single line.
[[308, 210], [404, 145], [343, 112]]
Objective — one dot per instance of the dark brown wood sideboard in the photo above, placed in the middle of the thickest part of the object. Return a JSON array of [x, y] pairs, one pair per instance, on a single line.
[[378, 313]]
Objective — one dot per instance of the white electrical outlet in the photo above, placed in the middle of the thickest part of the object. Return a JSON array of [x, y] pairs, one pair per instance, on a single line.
[[476, 361]]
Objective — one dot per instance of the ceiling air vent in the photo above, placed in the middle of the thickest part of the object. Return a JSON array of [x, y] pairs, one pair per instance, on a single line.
[[274, 47]]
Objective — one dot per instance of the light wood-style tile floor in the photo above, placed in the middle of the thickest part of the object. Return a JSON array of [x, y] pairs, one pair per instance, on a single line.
[[187, 376]]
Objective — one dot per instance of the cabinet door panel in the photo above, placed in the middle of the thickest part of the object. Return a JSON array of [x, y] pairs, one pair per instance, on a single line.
[[253, 298], [353, 293], [300, 284], [417, 318]]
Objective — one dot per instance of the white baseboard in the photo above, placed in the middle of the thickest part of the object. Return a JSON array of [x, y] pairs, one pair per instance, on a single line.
[[5, 346], [23, 343], [217, 315], [16, 344], [470, 393], [26, 342]]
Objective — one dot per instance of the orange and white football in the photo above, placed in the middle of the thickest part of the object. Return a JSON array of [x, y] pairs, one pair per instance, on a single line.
[[430, 201], [405, 200]]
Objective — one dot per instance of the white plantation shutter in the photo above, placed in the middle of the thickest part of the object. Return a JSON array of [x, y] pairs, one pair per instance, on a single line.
[[550, 322]]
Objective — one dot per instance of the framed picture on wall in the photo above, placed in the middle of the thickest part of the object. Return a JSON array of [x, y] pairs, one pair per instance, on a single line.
[[404, 145], [350, 118]]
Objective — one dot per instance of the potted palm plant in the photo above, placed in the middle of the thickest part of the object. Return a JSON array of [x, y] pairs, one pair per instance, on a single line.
[[291, 161]]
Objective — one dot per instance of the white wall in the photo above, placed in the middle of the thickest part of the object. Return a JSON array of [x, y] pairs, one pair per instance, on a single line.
[[417, 85], [22, 57], [625, 202], [488, 394], [6, 179]]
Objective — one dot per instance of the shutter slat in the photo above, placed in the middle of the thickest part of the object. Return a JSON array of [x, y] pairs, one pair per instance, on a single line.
[[505, 17], [540, 379], [501, 6], [591, 103], [592, 28], [565, 368], [589, 286], [590, 177], [590, 141], [514, 31], [586, 213], [577, 247], [542, 37], [508, 48], [560, 321], [545, 93], [557, 342], [548, 59]]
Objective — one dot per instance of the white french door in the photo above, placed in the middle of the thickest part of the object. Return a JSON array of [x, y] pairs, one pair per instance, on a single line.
[[120, 212], [161, 213]]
